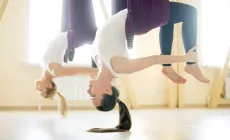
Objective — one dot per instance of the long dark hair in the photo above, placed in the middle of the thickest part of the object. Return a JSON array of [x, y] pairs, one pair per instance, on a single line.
[[108, 103]]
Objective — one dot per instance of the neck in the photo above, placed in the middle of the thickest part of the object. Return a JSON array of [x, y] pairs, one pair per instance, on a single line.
[[47, 76], [105, 76]]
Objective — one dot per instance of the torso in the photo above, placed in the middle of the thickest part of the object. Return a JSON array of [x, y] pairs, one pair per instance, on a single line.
[[55, 51], [110, 40]]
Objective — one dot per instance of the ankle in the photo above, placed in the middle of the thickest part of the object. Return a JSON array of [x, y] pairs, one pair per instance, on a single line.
[[166, 67], [191, 65]]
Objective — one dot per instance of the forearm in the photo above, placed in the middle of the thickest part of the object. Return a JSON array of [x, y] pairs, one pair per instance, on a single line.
[[69, 71], [165, 59], [145, 62]]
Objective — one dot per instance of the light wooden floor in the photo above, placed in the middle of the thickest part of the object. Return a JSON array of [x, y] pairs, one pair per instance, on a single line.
[[160, 124]]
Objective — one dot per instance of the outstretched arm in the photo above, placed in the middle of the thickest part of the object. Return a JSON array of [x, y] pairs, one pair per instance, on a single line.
[[124, 65], [59, 71]]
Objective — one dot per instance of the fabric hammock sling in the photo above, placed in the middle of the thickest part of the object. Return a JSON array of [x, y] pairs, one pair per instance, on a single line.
[[145, 15], [81, 25]]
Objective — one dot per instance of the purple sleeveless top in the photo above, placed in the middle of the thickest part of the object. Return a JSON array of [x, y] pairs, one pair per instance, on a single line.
[[145, 15]]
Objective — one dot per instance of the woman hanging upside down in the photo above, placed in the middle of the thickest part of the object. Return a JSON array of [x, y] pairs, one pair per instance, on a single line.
[[110, 41], [53, 67]]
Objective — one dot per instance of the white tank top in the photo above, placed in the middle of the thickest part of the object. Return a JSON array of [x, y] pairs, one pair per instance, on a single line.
[[55, 51], [110, 39]]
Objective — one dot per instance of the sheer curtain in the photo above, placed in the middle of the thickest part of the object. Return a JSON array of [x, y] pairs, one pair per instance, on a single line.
[[99, 13], [215, 30], [45, 23]]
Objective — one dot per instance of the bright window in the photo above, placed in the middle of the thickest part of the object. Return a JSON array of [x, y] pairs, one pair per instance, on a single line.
[[45, 23], [215, 30], [42, 28], [100, 19]]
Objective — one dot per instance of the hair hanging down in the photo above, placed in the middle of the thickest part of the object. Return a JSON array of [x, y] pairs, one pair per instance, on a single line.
[[51, 92], [108, 103], [63, 107]]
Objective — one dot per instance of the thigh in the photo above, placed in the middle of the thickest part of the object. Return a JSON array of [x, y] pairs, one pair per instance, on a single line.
[[180, 12]]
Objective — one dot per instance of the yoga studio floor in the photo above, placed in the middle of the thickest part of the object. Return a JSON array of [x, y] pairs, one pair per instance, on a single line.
[[159, 124]]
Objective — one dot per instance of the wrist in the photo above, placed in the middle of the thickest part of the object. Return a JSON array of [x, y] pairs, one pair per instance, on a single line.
[[186, 58], [96, 70]]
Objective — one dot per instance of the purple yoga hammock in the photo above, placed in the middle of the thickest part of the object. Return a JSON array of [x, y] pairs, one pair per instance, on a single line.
[[143, 16], [81, 25]]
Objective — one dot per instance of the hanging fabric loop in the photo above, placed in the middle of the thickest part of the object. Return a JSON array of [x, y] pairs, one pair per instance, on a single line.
[[81, 25]]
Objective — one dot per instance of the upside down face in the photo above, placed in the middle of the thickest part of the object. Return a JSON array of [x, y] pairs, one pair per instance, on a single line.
[[96, 91], [42, 86]]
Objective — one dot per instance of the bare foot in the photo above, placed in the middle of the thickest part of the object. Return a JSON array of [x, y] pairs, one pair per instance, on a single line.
[[194, 70], [172, 75]]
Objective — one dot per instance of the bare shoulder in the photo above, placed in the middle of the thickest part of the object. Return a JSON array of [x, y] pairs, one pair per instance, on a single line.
[[118, 59], [118, 63], [54, 66]]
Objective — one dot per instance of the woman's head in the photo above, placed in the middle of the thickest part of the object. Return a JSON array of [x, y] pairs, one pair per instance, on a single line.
[[49, 90], [99, 91], [108, 102]]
